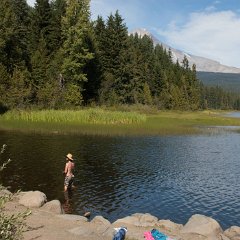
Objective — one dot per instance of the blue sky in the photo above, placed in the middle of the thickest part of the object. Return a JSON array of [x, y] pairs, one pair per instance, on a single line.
[[207, 28]]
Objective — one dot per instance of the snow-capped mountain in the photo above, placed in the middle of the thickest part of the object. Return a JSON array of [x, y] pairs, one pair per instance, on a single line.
[[202, 64]]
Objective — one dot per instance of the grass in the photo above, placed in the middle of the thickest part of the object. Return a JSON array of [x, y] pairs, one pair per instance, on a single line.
[[111, 122], [88, 116]]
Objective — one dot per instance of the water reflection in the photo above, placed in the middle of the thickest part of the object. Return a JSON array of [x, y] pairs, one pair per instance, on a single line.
[[171, 177], [67, 204], [233, 114]]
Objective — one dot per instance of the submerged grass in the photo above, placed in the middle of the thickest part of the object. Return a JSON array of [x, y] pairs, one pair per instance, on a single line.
[[105, 122]]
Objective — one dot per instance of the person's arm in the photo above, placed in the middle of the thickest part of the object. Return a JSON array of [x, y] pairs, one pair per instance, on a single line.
[[66, 168]]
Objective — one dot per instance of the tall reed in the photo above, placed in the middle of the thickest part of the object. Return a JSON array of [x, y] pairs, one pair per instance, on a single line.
[[86, 116]]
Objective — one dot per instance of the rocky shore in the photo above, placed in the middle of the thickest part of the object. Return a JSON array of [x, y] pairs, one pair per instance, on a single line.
[[48, 221]]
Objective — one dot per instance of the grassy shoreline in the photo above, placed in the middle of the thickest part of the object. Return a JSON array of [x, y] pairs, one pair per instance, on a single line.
[[106, 122]]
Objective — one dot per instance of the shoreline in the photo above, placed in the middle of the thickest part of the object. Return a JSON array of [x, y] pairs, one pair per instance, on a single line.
[[48, 221]]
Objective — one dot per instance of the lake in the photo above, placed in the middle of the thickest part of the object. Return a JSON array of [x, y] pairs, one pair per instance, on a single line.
[[170, 177]]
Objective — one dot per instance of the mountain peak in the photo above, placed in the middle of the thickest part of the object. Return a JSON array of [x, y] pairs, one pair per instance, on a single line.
[[202, 64], [141, 32]]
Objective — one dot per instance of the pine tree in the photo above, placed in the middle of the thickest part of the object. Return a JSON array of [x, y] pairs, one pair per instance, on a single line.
[[4, 83], [8, 36], [147, 95], [39, 64], [22, 40], [114, 59], [75, 51], [19, 91], [41, 24], [58, 9]]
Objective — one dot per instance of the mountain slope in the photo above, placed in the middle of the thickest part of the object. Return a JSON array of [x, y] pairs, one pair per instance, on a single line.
[[202, 64], [228, 81]]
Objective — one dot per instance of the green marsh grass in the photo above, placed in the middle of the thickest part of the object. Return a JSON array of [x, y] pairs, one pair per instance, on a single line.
[[97, 121], [88, 116]]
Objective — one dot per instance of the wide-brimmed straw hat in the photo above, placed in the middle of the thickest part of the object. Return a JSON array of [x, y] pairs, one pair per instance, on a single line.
[[69, 156]]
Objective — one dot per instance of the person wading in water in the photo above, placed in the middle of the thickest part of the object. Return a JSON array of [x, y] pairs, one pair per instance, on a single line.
[[68, 171], [68, 182]]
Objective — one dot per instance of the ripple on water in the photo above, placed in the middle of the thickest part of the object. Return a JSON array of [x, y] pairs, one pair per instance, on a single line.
[[171, 177]]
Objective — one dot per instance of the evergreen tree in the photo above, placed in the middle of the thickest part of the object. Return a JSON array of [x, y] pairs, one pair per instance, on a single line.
[[19, 91], [95, 67], [4, 82], [58, 9], [39, 64], [9, 42], [41, 24], [22, 12], [114, 58], [75, 51], [147, 95]]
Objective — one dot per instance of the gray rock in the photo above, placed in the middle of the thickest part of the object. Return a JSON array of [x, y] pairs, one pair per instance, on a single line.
[[139, 220], [223, 237], [33, 199], [233, 233], [5, 192], [204, 226], [169, 225], [53, 206], [82, 231], [192, 236], [146, 220], [101, 225], [72, 217]]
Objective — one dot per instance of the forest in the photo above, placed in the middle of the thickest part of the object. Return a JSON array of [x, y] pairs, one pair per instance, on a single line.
[[53, 56]]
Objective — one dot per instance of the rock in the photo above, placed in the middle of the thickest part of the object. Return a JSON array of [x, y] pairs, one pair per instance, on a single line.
[[33, 199], [139, 220], [100, 220], [146, 220], [83, 231], [87, 214], [204, 226], [101, 225], [169, 225], [233, 233], [223, 237], [193, 236], [53, 206], [72, 217], [5, 192]]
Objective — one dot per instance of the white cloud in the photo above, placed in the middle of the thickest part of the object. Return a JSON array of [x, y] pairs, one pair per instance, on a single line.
[[214, 35], [131, 11], [31, 2]]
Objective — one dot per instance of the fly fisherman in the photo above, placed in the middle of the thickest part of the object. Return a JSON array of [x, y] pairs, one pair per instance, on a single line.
[[68, 171]]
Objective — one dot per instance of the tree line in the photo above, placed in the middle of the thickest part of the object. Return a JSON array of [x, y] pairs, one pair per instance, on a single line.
[[53, 56]]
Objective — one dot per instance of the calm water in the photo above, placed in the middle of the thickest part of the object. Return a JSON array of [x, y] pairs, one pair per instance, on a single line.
[[171, 177]]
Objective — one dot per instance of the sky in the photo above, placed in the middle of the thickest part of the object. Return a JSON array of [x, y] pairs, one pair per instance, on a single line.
[[206, 28]]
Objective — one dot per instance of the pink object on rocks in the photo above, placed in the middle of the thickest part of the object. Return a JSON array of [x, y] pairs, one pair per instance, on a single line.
[[148, 236]]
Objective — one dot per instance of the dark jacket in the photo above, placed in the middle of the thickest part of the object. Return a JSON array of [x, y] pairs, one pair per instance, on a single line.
[[120, 235]]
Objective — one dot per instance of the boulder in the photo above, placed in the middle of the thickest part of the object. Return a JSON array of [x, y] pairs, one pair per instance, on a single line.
[[5, 192], [192, 236], [33, 199], [169, 225], [223, 237], [138, 220], [101, 225], [73, 217], [233, 233], [83, 232], [101, 221], [204, 226], [53, 206]]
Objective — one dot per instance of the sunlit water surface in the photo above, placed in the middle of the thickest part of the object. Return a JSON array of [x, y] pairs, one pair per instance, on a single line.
[[170, 177]]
